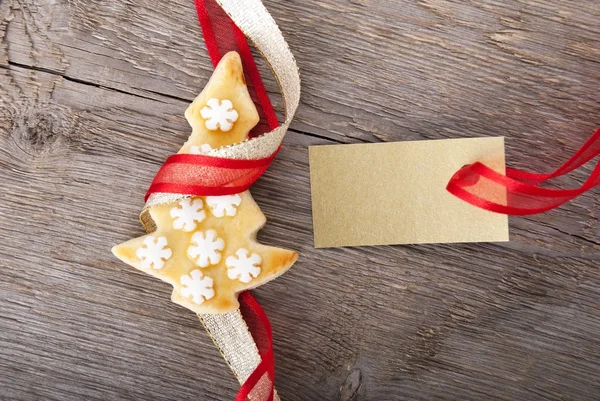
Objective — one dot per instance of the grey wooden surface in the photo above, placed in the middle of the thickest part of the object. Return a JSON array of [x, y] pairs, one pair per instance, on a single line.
[[92, 101]]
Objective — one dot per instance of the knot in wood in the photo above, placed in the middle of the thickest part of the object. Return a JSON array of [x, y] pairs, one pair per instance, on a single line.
[[37, 128], [349, 389]]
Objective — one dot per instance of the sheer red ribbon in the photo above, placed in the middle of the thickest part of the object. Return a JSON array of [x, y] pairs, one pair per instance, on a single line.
[[519, 192], [260, 327], [204, 175]]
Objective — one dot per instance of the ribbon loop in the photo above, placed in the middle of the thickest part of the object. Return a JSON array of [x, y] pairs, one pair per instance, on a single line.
[[519, 192]]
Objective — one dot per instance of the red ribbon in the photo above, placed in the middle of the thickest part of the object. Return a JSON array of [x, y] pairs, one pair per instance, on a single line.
[[203, 175], [519, 192], [260, 327]]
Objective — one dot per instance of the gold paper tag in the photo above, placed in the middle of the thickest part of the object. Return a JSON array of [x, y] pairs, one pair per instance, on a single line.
[[395, 193]]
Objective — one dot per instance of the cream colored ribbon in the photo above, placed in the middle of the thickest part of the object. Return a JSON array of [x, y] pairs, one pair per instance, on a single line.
[[229, 331]]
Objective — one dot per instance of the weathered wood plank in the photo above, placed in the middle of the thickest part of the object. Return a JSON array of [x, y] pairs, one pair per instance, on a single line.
[[92, 97]]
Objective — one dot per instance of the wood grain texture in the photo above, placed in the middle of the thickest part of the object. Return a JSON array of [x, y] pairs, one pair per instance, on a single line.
[[92, 100]]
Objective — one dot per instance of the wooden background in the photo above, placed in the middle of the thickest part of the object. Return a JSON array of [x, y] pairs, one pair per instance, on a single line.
[[92, 101]]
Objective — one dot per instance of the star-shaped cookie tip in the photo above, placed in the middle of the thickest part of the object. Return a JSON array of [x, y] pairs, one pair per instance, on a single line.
[[223, 113]]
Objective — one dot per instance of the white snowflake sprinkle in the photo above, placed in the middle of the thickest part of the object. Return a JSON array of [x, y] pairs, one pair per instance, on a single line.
[[245, 267], [187, 212], [219, 114], [154, 253], [223, 205], [200, 150], [206, 248], [197, 287]]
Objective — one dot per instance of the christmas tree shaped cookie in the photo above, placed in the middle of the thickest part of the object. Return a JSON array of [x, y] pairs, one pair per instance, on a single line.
[[205, 246]]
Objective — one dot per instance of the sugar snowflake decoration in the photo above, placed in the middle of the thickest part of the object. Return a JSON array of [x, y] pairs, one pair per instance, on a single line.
[[200, 150], [244, 267], [223, 205], [154, 252], [187, 212], [197, 287], [206, 248], [219, 114]]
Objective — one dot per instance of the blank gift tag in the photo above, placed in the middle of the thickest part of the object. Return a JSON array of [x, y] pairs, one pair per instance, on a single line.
[[395, 193]]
